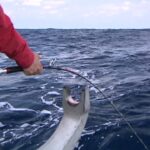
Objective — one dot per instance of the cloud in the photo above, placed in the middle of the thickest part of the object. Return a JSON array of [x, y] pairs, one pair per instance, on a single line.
[[126, 7], [32, 2], [53, 6], [49, 4], [109, 9], [77, 12], [10, 0], [45, 6], [86, 8]]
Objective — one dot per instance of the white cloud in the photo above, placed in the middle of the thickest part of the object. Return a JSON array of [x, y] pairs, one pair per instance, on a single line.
[[10, 0], [126, 6], [40, 3], [32, 2], [77, 12], [46, 6], [133, 8], [52, 6]]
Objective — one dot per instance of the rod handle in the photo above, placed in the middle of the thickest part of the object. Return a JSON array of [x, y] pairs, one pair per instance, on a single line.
[[14, 69]]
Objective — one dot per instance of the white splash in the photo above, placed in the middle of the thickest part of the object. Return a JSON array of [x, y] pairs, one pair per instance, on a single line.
[[45, 101], [25, 125], [46, 112], [8, 106], [1, 125], [53, 93]]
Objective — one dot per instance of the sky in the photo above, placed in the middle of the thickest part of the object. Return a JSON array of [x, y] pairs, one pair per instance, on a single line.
[[99, 14]]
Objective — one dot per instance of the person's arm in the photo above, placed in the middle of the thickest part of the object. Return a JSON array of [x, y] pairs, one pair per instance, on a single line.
[[15, 47]]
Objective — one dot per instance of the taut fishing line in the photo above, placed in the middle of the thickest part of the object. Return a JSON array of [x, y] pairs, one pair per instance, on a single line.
[[72, 71], [105, 97]]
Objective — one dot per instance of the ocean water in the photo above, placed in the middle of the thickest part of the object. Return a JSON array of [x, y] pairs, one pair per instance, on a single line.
[[117, 61]]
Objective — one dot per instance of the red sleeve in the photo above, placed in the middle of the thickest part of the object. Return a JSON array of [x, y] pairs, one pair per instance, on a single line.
[[12, 44]]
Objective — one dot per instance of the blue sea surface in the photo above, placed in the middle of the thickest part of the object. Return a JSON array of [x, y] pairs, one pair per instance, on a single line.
[[117, 61]]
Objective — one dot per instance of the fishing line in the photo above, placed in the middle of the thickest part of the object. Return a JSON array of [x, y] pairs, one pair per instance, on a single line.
[[70, 70], [105, 97]]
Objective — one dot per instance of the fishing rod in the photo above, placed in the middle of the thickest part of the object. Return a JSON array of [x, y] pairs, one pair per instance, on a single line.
[[14, 69]]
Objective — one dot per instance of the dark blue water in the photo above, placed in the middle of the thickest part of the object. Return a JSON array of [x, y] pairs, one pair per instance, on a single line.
[[118, 61]]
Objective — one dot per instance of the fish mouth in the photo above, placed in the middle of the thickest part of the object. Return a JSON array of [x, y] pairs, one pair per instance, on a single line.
[[71, 101]]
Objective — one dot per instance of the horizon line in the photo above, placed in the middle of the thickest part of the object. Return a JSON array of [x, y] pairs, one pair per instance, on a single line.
[[84, 28]]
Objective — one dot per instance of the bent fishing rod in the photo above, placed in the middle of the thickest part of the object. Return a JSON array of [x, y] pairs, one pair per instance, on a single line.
[[14, 69]]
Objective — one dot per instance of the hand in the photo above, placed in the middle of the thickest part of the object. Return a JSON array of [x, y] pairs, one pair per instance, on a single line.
[[36, 67]]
